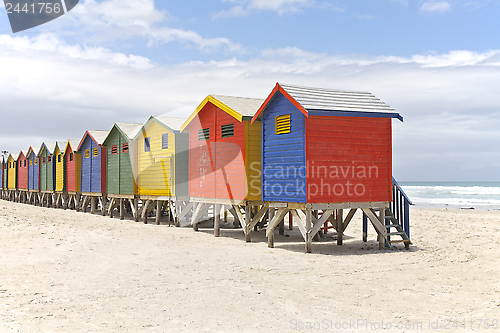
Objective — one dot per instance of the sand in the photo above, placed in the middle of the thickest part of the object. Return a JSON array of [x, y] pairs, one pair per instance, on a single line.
[[63, 271]]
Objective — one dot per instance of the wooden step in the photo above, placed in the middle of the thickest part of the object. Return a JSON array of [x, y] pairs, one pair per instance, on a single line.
[[392, 226], [399, 233], [400, 241]]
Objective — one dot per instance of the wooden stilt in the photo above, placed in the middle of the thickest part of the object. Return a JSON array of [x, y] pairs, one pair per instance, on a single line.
[[381, 238], [308, 227], [92, 205], [217, 220], [315, 215], [248, 220], [270, 238], [136, 208], [159, 205], [122, 209], [340, 226]]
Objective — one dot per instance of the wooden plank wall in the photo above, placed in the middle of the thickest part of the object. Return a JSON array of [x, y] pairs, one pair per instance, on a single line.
[[349, 159], [33, 172], [119, 176], [22, 172], [12, 174], [59, 167], [154, 166], [253, 145], [283, 157]]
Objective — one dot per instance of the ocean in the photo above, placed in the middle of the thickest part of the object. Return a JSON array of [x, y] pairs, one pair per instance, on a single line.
[[453, 194]]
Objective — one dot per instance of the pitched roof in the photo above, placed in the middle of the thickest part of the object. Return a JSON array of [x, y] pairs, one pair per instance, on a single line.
[[35, 149], [98, 135], [130, 130], [332, 102], [74, 144], [171, 123], [49, 145], [238, 107]]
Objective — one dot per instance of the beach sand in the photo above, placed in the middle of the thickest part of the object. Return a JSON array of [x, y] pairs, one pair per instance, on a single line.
[[63, 271]]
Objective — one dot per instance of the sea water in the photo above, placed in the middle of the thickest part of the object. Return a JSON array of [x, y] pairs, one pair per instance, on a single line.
[[453, 194]]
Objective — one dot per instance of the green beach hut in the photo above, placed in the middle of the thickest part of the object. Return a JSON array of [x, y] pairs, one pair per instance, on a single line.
[[47, 169]]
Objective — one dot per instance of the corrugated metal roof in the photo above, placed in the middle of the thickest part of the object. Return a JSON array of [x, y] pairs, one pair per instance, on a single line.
[[174, 123], [336, 100], [243, 105], [98, 135], [130, 130]]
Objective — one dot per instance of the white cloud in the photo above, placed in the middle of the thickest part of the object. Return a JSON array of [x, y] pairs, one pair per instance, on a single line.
[[246, 7], [124, 19], [449, 101], [435, 6]]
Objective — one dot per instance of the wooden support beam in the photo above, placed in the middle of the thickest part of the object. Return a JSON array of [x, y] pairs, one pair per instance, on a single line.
[[122, 209], [280, 214], [340, 226], [258, 216], [159, 206], [308, 226], [199, 210], [145, 211], [92, 205], [319, 222], [185, 211], [136, 210], [349, 217], [381, 237], [111, 207], [379, 227], [299, 223], [217, 220], [246, 228]]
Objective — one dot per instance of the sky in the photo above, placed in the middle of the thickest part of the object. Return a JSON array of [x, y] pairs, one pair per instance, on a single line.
[[437, 63]]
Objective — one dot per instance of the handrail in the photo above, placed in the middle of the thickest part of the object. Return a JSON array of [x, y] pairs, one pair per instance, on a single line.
[[401, 190]]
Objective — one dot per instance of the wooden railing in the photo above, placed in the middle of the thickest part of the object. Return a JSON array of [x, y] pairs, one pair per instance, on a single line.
[[400, 206]]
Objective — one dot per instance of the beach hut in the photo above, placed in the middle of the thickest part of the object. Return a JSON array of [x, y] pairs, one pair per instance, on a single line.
[[120, 183], [93, 169], [224, 157], [12, 176], [72, 180], [324, 151], [22, 176], [1, 171], [33, 175], [160, 169], [47, 171], [59, 174]]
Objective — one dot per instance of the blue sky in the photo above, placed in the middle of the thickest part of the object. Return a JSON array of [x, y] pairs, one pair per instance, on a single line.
[[435, 62]]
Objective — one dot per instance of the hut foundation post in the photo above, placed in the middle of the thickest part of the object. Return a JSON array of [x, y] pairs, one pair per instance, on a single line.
[[92, 205], [103, 201], [248, 220], [159, 206], [365, 228], [112, 203], [217, 220], [308, 226], [122, 210], [270, 237], [340, 226], [136, 209], [281, 227], [290, 221], [315, 214], [381, 238]]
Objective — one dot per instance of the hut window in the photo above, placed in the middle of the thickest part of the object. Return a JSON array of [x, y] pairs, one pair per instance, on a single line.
[[71, 157], [31, 162], [125, 148], [147, 145], [43, 160], [36, 161], [50, 159], [59, 158], [114, 149], [227, 130], [87, 153], [95, 152], [204, 134], [164, 141], [282, 124]]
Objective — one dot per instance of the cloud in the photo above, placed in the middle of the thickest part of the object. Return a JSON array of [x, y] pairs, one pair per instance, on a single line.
[[246, 7], [435, 7], [109, 20], [449, 101]]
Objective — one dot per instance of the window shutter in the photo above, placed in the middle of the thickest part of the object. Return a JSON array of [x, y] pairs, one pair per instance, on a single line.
[[227, 130], [164, 141], [204, 134]]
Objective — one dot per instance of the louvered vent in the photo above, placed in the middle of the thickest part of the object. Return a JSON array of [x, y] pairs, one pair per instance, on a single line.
[[282, 124], [227, 130], [204, 134]]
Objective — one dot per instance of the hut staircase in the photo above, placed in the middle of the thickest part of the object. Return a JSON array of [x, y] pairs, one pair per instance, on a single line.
[[397, 217], [393, 223]]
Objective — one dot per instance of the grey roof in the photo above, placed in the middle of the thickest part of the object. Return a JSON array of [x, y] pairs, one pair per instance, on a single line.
[[74, 144], [336, 100], [15, 156], [62, 145], [35, 149], [98, 135], [243, 105], [174, 123], [130, 130], [50, 147]]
